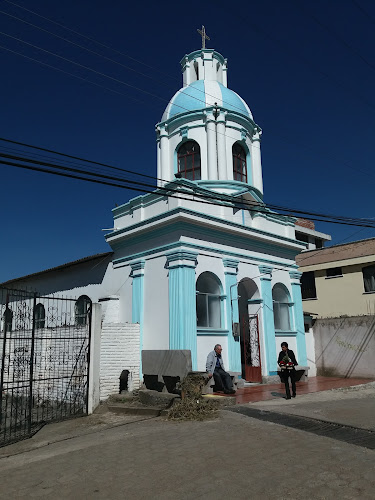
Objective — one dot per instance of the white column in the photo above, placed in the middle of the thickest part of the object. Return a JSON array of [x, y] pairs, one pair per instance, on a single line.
[[211, 148], [257, 163], [164, 171], [221, 148]]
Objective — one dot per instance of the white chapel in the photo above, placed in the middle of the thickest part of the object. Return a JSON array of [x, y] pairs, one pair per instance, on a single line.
[[201, 260]]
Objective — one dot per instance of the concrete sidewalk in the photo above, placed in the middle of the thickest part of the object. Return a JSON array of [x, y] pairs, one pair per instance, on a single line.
[[353, 406], [108, 456]]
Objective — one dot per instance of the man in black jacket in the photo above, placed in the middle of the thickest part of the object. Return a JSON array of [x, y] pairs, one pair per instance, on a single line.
[[287, 356]]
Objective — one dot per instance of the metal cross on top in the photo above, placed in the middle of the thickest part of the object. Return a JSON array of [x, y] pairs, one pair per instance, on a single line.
[[202, 32]]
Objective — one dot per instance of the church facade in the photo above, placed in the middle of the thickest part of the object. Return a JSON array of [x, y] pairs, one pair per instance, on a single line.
[[201, 260]]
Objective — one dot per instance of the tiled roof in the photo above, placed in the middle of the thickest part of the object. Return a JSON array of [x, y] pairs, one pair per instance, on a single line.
[[354, 249], [63, 266]]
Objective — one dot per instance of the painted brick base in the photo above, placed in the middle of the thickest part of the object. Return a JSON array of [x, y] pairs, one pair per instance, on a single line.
[[119, 350]]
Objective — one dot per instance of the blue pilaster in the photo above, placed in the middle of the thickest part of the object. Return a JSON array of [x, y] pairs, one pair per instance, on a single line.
[[182, 302], [299, 326], [268, 319], [231, 291], [137, 273]]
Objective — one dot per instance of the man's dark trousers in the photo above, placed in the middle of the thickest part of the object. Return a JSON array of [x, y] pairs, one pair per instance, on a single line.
[[222, 380], [292, 375]]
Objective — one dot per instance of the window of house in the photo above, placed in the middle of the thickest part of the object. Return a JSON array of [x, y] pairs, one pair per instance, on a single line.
[[281, 308], [8, 320], [39, 316], [302, 237], [189, 160], [333, 272], [239, 163], [81, 310], [308, 288], [318, 243], [369, 278], [208, 301]]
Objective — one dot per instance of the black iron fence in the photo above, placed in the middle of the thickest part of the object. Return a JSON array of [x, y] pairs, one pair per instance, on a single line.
[[44, 352]]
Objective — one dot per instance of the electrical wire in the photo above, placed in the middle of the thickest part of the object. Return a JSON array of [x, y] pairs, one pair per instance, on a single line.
[[197, 196]]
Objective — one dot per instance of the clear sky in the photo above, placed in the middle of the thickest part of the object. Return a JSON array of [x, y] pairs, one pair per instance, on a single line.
[[306, 69]]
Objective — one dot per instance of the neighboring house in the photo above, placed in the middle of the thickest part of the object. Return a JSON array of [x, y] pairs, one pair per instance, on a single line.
[[306, 233], [191, 273], [338, 291], [339, 280]]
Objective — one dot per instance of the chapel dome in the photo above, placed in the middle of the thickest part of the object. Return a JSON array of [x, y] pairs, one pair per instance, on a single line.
[[203, 94]]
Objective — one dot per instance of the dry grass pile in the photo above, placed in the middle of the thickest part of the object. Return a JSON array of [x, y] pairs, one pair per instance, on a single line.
[[192, 406]]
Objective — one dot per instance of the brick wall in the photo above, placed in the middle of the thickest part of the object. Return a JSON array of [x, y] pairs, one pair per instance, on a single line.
[[119, 351], [309, 224]]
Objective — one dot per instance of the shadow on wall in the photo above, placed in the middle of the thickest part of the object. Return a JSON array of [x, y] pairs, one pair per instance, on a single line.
[[345, 347], [79, 274]]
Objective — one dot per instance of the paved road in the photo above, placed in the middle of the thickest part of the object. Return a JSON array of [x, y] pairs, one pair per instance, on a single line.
[[233, 457]]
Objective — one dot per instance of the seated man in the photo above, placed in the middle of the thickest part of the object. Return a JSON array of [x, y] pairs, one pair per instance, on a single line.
[[215, 368]]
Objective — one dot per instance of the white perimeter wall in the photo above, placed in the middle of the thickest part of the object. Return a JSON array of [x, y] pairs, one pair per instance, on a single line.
[[119, 351]]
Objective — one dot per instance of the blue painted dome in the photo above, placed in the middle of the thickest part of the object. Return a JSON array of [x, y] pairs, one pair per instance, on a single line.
[[202, 94]]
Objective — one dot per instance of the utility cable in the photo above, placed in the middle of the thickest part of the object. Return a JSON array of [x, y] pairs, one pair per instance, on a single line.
[[166, 191]]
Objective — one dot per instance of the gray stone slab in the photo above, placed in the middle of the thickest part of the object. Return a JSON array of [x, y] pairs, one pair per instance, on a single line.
[[155, 398], [167, 363]]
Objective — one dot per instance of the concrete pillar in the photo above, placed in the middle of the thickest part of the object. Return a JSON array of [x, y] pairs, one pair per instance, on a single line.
[[164, 170], [231, 292], [256, 163], [211, 148], [93, 399], [182, 302], [299, 326], [137, 273], [268, 320], [221, 148]]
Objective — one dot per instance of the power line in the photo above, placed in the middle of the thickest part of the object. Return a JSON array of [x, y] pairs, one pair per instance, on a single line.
[[212, 199], [221, 197], [92, 40], [337, 37]]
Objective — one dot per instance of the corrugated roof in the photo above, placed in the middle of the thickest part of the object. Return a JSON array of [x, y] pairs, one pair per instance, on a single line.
[[63, 266], [361, 248]]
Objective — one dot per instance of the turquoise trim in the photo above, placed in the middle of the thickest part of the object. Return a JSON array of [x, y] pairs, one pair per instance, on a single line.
[[198, 53], [241, 188], [182, 307], [255, 301], [185, 116], [210, 331], [281, 333], [181, 210], [138, 302], [272, 373], [199, 248]]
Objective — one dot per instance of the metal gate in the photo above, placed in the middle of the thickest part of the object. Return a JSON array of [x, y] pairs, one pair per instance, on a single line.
[[44, 352], [251, 350]]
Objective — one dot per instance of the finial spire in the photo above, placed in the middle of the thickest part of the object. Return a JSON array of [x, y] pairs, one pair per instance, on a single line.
[[202, 32]]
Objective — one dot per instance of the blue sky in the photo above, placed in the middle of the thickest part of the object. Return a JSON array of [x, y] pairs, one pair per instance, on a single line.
[[306, 69]]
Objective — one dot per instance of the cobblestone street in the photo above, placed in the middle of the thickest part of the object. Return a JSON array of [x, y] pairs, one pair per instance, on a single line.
[[232, 457]]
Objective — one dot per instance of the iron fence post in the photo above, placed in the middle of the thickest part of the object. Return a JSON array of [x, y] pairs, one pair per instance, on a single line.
[[32, 367]]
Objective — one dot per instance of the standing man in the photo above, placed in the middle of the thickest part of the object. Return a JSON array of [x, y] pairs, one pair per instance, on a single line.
[[287, 361], [215, 368]]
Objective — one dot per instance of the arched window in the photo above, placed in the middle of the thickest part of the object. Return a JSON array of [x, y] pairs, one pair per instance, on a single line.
[[40, 316], [8, 320], [81, 310], [189, 160], [281, 307], [239, 163], [208, 301]]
